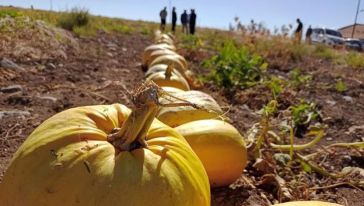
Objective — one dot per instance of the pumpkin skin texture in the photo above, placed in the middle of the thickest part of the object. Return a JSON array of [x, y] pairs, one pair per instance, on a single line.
[[178, 61], [67, 160], [171, 90], [154, 47], [219, 146], [175, 116], [307, 203], [160, 68], [158, 53], [173, 81]]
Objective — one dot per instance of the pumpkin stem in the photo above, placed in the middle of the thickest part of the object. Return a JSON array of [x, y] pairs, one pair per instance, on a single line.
[[168, 72], [133, 132]]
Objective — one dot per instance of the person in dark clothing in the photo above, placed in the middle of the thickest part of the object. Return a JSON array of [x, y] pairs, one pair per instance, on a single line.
[[193, 22], [174, 19], [163, 15], [298, 32], [308, 35], [184, 21]]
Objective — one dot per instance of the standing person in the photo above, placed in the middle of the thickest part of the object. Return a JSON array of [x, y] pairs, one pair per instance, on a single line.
[[184, 21], [188, 23], [163, 15], [174, 19], [298, 32], [193, 22], [308, 35]]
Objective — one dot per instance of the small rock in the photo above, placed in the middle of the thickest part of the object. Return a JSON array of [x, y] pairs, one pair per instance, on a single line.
[[11, 88], [348, 99], [329, 138], [109, 54], [8, 64], [331, 103], [14, 113], [124, 49], [112, 45], [48, 98], [51, 66]]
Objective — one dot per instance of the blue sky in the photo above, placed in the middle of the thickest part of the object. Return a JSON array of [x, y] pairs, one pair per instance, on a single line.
[[219, 13]]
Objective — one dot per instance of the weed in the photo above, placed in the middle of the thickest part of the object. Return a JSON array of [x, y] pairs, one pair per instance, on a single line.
[[302, 115], [77, 17], [234, 67], [340, 86], [324, 52], [297, 78], [276, 85], [145, 31], [355, 60], [10, 13], [191, 42], [124, 29]]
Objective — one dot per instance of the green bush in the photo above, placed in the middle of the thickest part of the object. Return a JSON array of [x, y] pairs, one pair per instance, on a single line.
[[124, 29], [355, 60], [324, 52], [234, 67], [77, 17]]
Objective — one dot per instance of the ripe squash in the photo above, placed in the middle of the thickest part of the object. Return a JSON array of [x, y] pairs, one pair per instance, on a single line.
[[78, 157], [178, 61], [169, 79], [156, 54], [165, 41], [219, 146], [171, 90], [307, 203], [175, 116], [155, 47], [160, 68], [164, 36]]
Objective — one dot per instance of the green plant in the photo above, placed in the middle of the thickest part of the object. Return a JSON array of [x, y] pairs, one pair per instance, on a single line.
[[276, 85], [340, 86], [324, 52], [11, 13], [77, 17], [355, 60], [297, 78], [145, 31], [124, 29], [234, 67], [191, 42], [302, 115]]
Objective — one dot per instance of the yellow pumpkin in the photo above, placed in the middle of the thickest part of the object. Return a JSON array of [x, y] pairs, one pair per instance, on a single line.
[[164, 36], [307, 203], [175, 116], [178, 61], [165, 40], [219, 146], [171, 90], [169, 79], [160, 68], [155, 47], [77, 157], [156, 54]]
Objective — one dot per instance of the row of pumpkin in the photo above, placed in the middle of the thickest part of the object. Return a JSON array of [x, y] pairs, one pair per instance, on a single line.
[[217, 143]]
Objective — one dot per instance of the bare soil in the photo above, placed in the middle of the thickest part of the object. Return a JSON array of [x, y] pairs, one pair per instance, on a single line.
[[102, 69]]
